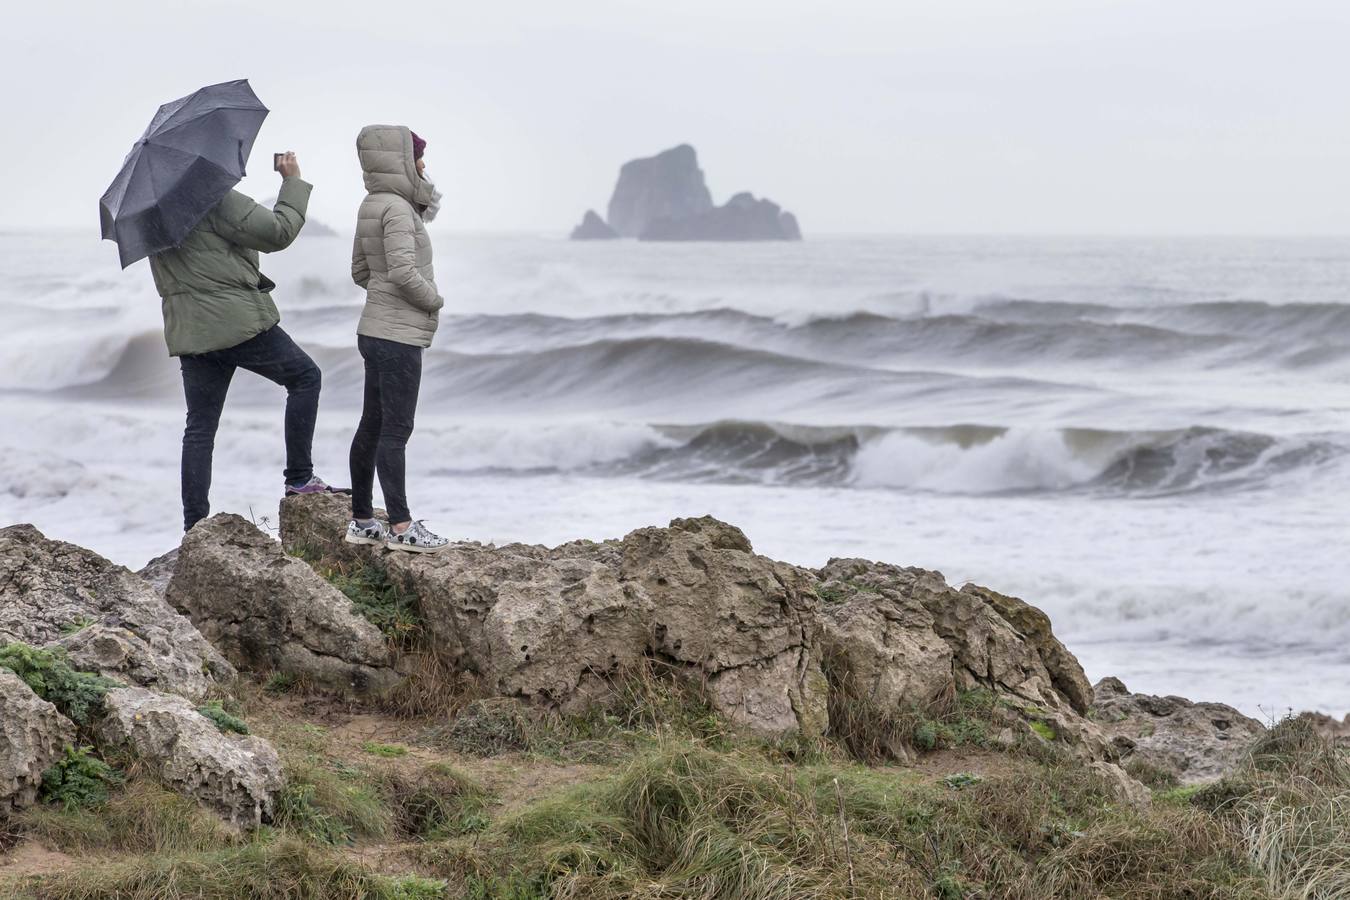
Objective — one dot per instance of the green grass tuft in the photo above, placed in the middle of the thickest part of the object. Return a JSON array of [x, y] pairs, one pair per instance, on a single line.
[[223, 720]]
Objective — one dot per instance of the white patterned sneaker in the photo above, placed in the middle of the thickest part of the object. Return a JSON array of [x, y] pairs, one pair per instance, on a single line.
[[375, 534], [416, 539]]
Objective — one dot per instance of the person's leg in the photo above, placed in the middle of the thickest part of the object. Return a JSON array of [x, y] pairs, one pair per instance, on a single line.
[[400, 379], [206, 381], [367, 438], [274, 356]]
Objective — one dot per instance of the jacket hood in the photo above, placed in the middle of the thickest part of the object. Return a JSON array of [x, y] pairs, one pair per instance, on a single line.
[[387, 165]]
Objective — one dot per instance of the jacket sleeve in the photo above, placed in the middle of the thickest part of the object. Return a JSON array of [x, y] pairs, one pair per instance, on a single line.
[[256, 227], [400, 256], [360, 268]]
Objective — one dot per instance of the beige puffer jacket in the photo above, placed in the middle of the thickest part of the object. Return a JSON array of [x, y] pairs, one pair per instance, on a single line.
[[391, 257]]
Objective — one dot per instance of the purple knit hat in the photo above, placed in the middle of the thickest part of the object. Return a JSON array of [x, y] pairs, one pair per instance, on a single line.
[[419, 145]]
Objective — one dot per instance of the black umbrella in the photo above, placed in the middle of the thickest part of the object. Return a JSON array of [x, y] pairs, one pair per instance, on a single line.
[[184, 164]]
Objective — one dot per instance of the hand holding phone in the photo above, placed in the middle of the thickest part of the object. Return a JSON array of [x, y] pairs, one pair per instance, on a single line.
[[286, 164]]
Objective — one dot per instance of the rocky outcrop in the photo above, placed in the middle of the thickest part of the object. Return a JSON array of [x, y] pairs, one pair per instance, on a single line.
[[741, 623], [236, 776], [906, 637], [742, 218], [1194, 742], [668, 185], [664, 198], [1335, 730], [593, 228], [33, 736], [553, 625], [110, 620], [268, 611]]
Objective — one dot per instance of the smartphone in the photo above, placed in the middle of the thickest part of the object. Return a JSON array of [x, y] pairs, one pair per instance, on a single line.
[[276, 161]]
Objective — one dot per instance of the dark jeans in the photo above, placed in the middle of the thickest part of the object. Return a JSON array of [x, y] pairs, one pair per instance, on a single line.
[[393, 375], [206, 380]]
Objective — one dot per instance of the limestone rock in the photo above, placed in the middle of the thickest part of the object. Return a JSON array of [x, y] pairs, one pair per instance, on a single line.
[[49, 588], [158, 572], [668, 185], [32, 737], [268, 611], [593, 228], [1335, 730], [745, 623], [742, 218], [551, 625], [236, 776], [1124, 788], [907, 636], [880, 635], [1196, 742]]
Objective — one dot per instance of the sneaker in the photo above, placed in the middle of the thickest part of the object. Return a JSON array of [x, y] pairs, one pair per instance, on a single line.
[[416, 539], [374, 534], [315, 485]]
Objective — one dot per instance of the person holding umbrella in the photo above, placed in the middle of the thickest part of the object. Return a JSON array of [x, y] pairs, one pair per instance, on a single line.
[[174, 202]]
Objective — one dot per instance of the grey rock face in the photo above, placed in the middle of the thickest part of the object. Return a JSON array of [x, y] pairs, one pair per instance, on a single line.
[[1196, 742], [236, 776], [550, 625], [668, 185], [158, 572], [32, 737], [48, 588], [593, 228], [268, 611], [1125, 788], [744, 623], [742, 218], [906, 636]]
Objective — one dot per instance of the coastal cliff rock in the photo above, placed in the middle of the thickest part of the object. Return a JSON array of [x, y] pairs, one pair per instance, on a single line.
[[238, 777], [268, 611], [1194, 742], [110, 621], [742, 218], [33, 736], [593, 228], [668, 185]]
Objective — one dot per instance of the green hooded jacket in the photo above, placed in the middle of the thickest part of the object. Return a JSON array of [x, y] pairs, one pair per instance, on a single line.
[[212, 292]]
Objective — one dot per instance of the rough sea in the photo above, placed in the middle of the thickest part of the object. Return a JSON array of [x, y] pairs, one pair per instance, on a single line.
[[1149, 439]]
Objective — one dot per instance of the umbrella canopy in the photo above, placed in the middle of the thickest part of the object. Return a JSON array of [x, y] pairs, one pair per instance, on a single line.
[[183, 165]]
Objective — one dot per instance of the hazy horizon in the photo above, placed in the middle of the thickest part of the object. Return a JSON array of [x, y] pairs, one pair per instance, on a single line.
[[1139, 119]]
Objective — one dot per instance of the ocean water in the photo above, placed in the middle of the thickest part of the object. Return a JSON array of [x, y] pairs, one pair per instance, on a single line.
[[1149, 439]]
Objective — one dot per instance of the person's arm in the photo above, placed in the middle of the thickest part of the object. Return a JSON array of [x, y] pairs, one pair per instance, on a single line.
[[400, 254], [253, 225], [360, 268]]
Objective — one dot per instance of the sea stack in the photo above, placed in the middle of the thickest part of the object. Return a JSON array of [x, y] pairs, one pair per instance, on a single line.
[[593, 228], [665, 198]]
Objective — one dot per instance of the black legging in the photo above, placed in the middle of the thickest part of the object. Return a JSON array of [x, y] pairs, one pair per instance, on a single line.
[[393, 375], [206, 379]]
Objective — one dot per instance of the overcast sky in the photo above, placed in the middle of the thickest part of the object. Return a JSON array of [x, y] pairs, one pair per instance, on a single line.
[[915, 116]]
